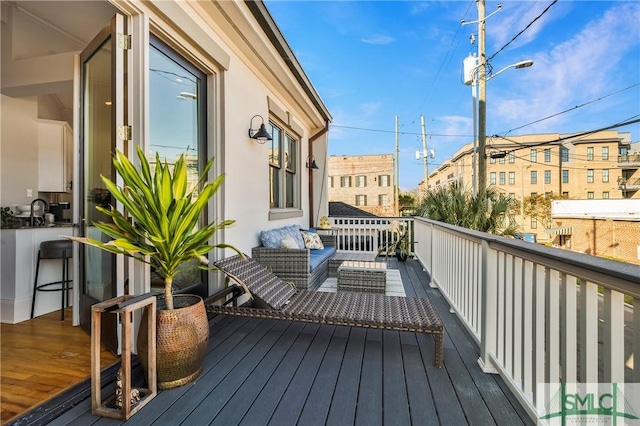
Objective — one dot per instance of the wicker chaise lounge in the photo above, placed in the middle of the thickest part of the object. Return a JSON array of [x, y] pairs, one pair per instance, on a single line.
[[273, 298]]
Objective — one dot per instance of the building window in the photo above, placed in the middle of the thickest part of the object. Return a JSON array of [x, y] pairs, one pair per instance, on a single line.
[[533, 156], [605, 175], [512, 178], [534, 177], [492, 160], [345, 181], [605, 152], [565, 195], [383, 180], [605, 195], [565, 176], [501, 160], [547, 155], [330, 183], [534, 222], [589, 175], [361, 200], [361, 181], [283, 175], [564, 155], [512, 195], [590, 195], [383, 200], [502, 178], [512, 157], [547, 176], [533, 194], [589, 153], [492, 178]]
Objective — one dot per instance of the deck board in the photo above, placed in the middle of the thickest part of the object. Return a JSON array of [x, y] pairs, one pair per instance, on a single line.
[[267, 372]]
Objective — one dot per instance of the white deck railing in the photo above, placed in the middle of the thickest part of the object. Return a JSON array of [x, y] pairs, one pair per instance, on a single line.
[[366, 235], [539, 314]]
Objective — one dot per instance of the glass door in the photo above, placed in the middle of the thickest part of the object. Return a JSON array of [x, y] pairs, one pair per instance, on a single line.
[[102, 111]]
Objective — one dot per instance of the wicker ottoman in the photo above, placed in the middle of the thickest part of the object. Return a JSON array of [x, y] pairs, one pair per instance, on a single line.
[[368, 277]]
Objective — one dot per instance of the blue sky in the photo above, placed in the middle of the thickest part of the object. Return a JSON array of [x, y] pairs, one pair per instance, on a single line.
[[374, 60]]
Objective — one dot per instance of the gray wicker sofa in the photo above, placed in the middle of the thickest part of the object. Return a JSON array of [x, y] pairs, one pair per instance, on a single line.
[[306, 268]]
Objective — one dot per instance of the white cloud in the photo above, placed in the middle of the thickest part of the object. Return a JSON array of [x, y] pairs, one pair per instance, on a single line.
[[378, 39], [574, 71]]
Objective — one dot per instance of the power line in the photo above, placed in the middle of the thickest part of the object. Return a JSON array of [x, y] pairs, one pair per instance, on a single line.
[[574, 108], [400, 132], [523, 30]]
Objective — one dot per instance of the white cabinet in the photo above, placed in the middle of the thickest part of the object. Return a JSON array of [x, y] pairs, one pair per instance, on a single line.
[[55, 156]]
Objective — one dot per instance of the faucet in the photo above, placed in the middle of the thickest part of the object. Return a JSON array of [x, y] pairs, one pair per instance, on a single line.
[[32, 218]]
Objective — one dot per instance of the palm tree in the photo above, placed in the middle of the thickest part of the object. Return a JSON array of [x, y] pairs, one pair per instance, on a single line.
[[489, 211]]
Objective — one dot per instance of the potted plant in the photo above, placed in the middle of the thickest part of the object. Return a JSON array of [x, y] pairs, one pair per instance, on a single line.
[[166, 209], [395, 243]]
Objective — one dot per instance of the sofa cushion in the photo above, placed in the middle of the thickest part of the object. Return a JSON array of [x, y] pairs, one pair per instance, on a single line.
[[289, 243], [312, 240], [273, 238], [317, 257]]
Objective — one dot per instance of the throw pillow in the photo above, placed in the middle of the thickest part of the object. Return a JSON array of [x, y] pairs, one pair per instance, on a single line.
[[288, 242], [312, 240]]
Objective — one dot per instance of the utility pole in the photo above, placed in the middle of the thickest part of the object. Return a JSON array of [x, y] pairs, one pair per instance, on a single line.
[[425, 154], [397, 185], [482, 99]]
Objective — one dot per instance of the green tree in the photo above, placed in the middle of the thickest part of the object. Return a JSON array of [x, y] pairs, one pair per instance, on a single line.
[[408, 203], [538, 206], [489, 211]]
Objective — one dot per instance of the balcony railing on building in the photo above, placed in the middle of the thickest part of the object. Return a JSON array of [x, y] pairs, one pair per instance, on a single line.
[[538, 314]]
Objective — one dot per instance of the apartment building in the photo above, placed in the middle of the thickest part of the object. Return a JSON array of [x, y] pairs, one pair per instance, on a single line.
[[364, 181], [602, 165]]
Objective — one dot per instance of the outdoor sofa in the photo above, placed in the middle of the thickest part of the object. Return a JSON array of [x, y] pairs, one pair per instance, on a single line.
[[304, 265], [273, 298]]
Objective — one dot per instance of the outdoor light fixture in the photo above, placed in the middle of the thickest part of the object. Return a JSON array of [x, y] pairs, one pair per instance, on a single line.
[[311, 163], [261, 135]]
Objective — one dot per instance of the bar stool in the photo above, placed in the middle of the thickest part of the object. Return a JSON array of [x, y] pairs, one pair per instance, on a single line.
[[54, 249]]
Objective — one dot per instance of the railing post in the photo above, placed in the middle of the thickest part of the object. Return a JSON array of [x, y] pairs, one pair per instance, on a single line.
[[489, 326]]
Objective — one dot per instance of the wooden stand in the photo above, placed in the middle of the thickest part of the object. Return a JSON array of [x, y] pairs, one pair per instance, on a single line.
[[123, 306]]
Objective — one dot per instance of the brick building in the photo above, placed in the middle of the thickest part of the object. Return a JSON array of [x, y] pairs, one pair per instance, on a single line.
[[603, 165], [601, 228], [364, 181]]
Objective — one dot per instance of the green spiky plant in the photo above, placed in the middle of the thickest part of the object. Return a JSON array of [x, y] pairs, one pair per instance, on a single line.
[[166, 215]]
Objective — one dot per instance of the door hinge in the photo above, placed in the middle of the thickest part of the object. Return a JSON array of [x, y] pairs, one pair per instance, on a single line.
[[124, 133], [124, 41]]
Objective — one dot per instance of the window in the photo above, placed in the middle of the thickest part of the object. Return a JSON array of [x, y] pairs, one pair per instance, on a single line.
[[565, 195], [534, 177], [590, 195], [534, 222], [547, 176], [383, 200], [564, 155], [345, 181], [502, 178], [283, 165], [512, 195], [512, 157], [501, 160], [589, 175], [589, 153], [492, 160], [361, 181], [492, 178], [605, 152], [605, 195], [547, 155], [330, 182], [533, 194], [605, 175], [533, 156], [512, 178], [383, 180], [565, 176], [361, 200]]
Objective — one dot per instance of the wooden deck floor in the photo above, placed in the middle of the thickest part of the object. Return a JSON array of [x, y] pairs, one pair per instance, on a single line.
[[284, 373]]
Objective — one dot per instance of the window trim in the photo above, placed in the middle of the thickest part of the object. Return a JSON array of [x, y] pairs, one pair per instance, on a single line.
[[296, 210]]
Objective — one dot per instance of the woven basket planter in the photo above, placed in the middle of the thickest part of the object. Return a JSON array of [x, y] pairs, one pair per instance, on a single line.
[[182, 337]]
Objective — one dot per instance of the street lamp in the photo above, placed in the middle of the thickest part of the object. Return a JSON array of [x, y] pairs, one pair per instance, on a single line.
[[470, 69]]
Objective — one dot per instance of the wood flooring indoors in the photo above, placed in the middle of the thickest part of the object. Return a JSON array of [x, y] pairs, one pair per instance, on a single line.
[[41, 358]]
